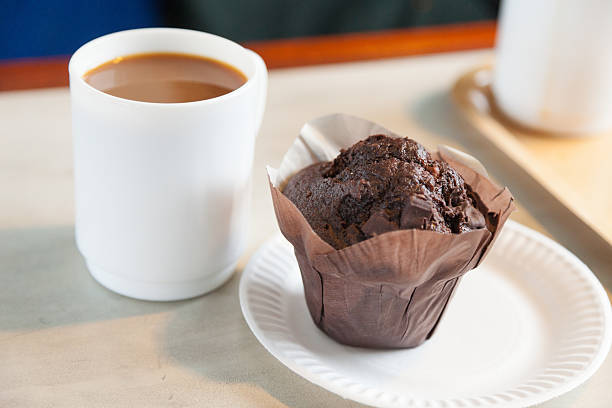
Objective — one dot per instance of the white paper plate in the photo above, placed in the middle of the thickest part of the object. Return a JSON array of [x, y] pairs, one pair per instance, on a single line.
[[531, 323]]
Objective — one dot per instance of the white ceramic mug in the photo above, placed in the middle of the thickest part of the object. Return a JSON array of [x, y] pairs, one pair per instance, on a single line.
[[554, 64], [162, 189]]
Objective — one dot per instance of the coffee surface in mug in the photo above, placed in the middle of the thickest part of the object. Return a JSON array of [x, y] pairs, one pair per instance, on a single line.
[[165, 78]]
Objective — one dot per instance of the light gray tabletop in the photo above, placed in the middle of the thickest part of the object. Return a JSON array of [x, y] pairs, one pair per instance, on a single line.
[[66, 341]]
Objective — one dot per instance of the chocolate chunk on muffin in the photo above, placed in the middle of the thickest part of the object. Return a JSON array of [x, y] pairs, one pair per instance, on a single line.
[[382, 184]]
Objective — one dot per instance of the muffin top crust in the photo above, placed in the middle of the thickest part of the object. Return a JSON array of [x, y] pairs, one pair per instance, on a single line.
[[382, 184]]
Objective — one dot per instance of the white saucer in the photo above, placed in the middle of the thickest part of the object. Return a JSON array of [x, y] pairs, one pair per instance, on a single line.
[[531, 323]]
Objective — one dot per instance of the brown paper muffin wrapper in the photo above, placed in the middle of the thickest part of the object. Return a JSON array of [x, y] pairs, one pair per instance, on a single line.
[[389, 291]]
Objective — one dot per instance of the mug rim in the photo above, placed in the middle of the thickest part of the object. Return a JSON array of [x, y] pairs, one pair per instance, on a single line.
[[230, 95]]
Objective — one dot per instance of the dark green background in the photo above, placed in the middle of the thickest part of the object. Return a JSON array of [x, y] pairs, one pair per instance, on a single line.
[[243, 20]]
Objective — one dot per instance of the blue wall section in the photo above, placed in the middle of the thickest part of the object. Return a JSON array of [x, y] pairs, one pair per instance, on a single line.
[[30, 28]]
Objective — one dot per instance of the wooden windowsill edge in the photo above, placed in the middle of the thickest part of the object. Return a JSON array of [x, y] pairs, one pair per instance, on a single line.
[[294, 52]]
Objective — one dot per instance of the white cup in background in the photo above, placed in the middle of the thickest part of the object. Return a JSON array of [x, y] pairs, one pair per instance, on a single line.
[[162, 189], [553, 67]]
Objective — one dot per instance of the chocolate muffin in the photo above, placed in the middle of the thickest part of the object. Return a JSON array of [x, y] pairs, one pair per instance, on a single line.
[[384, 233], [383, 184]]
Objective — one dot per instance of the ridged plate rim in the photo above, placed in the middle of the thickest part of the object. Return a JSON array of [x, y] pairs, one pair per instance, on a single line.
[[264, 316]]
